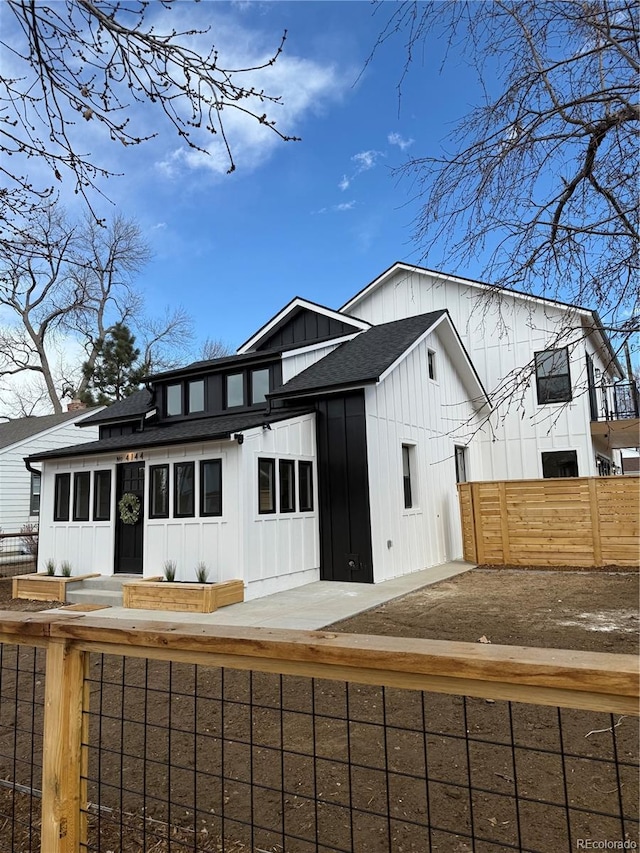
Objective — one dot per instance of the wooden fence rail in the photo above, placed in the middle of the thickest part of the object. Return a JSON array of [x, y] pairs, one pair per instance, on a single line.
[[562, 679], [573, 521]]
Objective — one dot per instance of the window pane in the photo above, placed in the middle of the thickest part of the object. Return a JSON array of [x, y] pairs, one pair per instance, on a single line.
[[406, 476], [562, 463], [266, 485], [259, 386], [287, 486], [431, 364], [34, 501], [196, 396], [211, 487], [174, 400], [461, 464], [159, 492], [184, 492], [305, 480], [102, 496], [61, 503], [235, 390], [81, 483], [552, 376]]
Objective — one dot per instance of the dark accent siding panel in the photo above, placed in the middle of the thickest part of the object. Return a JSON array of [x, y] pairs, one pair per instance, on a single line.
[[306, 327], [343, 487], [214, 393]]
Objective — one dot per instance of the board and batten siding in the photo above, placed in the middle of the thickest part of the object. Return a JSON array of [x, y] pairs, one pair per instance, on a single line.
[[281, 549], [433, 416], [499, 337], [15, 479]]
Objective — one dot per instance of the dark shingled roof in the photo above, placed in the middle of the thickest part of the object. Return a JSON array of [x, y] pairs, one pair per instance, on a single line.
[[134, 406], [362, 360], [22, 428], [203, 429]]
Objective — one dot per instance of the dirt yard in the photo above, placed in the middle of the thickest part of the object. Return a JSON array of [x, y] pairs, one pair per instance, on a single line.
[[262, 715]]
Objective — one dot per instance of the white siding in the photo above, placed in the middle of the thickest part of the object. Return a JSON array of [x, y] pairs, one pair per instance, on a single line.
[[433, 416], [15, 480], [282, 549], [295, 361], [500, 337]]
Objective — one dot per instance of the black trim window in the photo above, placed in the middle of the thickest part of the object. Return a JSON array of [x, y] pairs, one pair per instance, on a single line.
[[266, 485], [305, 486], [234, 390], [461, 463], [407, 453], [560, 463], [196, 395], [553, 380], [34, 493], [211, 487], [159, 491], [81, 487], [61, 499], [174, 400], [287, 485], [102, 496], [259, 385], [431, 364], [183, 490]]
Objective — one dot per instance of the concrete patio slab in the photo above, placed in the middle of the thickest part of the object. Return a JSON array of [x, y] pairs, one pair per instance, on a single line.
[[307, 608]]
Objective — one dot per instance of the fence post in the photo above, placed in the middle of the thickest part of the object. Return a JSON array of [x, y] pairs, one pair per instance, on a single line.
[[504, 523], [595, 522], [477, 522], [62, 751]]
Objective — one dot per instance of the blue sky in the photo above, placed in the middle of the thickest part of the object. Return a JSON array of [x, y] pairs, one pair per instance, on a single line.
[[318, 218]]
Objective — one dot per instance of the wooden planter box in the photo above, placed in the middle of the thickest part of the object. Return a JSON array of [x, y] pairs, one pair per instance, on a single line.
[[183, 597], [41, 587]]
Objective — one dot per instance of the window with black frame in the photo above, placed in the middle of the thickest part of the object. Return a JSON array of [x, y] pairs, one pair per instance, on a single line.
[[34, 493], [287, 485], [553, 380], [159, 491], [266, 486], [211, 487], [305, 486], [102, 496], [183, 489], [81, 486], [62, 494]]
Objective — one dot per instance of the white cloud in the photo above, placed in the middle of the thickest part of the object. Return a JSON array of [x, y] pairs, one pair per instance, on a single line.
[[344, 184], [348, 205], [400, 141], [366, 160]]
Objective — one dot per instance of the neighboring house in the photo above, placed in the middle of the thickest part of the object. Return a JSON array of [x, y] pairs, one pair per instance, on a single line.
[[20, 488], [331, 444]]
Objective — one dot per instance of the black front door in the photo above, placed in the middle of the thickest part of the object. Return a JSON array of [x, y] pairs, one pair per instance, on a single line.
[[129, 537]]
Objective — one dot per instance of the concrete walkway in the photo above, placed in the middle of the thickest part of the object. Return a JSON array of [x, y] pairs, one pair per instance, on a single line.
[[307, 608]]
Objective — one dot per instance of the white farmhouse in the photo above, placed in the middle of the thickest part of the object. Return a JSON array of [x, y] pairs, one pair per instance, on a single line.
[[330, 446]]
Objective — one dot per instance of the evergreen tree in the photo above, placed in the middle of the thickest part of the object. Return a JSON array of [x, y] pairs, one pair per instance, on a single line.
[[116, 373]]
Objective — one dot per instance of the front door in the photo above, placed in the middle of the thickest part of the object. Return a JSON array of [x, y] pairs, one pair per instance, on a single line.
[[129, 536]]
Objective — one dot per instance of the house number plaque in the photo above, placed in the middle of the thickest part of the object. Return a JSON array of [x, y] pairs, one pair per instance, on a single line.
[[131, 457]]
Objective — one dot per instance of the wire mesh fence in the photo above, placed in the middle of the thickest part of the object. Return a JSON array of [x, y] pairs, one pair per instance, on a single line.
[[18, 552], [196, 758], [21, 730]]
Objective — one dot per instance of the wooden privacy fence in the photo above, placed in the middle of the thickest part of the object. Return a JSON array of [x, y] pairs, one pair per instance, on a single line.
[[573, 521], [295, 740]]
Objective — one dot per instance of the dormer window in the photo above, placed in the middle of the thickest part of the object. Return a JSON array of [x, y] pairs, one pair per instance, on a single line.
[[259, 386], [234, 390], [174, 400], [196, 396]]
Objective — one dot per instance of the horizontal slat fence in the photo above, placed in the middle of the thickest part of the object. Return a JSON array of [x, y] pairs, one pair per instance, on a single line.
[[572, 521]]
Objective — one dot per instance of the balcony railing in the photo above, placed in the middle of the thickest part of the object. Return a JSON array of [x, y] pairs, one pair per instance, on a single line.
[[614, 402]]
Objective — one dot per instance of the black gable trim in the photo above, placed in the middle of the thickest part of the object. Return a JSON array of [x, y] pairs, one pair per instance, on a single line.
[[306, 327]]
